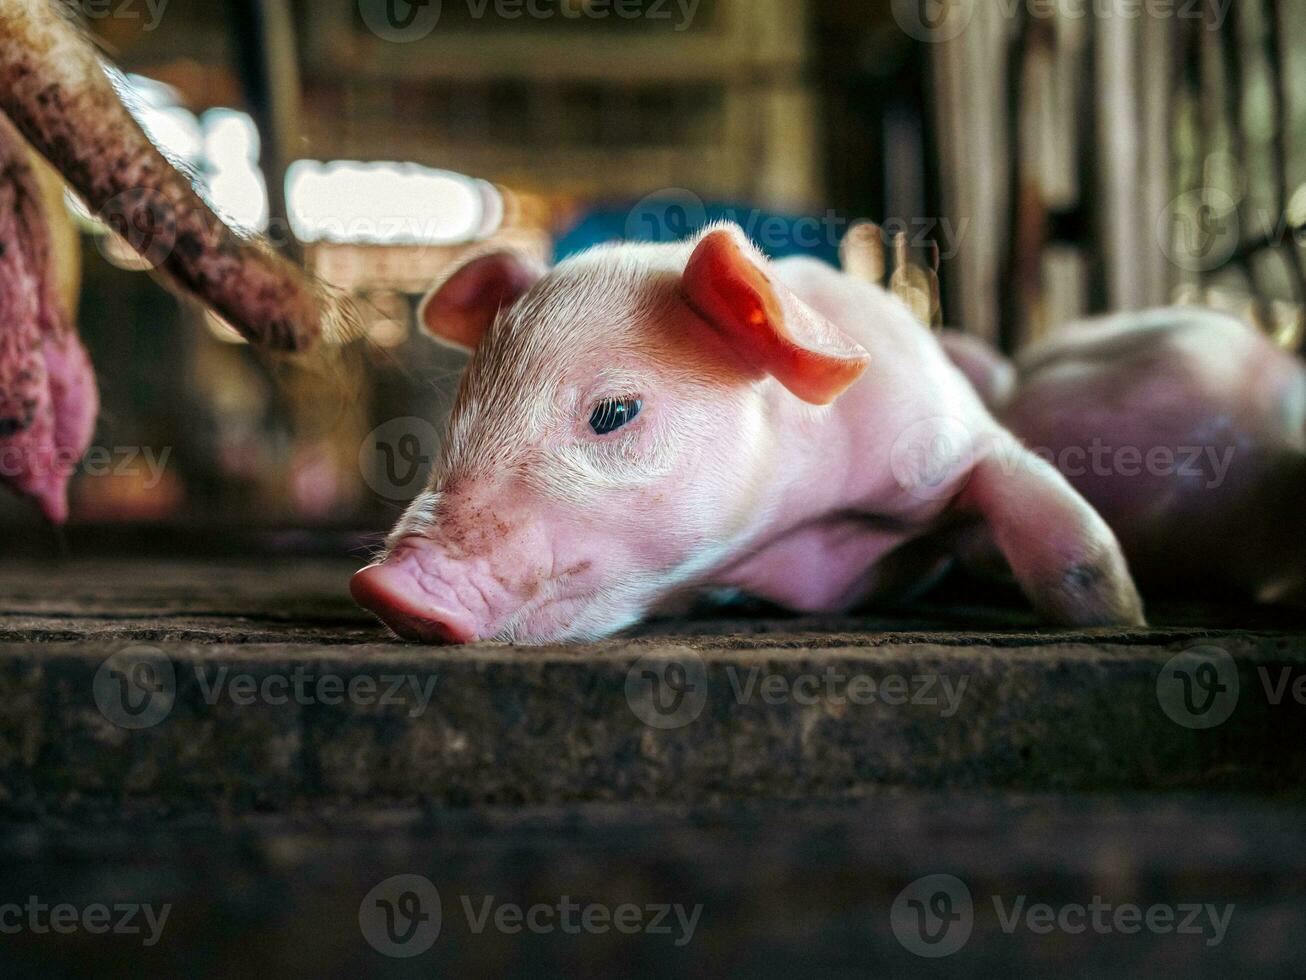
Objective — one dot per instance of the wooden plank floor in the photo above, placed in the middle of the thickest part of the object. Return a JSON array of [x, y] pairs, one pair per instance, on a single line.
[[532, 776], [784, 890], [955, 694], [305, 600]]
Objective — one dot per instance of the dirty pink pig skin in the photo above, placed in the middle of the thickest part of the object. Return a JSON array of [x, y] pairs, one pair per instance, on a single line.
[[788, 430], [48, 397], [1186, 429]]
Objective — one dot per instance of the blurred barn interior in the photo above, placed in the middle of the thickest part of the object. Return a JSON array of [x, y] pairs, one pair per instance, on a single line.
[[1005, 165], [1051, 160]]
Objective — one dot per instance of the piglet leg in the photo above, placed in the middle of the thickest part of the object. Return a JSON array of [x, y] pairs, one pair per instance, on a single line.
[[55, 89], [1065, 558], [48, 398]]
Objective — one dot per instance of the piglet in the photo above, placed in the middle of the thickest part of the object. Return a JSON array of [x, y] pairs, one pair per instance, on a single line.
[[1185, 428], [646, 421]]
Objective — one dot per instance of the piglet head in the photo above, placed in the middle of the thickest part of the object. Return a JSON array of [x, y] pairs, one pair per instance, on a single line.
[[612, 442]]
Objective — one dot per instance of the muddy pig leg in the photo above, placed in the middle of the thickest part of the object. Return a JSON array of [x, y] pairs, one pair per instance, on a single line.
[[1065, 558], [54, 87]]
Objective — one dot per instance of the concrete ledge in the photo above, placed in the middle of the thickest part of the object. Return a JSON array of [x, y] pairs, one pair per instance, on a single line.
[[241, 726]]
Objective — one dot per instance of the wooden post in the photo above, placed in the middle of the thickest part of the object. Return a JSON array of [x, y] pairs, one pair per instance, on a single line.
[[972, 135], [1156, 188], [1119, 149], [263, 39]]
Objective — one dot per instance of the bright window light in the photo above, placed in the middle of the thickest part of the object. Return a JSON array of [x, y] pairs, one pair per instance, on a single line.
[[388, 204], [236, 187], [341, 202]]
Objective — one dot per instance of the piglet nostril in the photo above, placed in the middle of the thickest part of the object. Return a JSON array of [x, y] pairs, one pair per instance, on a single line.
[[394, 595]]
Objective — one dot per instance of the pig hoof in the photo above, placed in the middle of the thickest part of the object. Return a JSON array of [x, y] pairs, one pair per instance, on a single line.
[[1100, 596]]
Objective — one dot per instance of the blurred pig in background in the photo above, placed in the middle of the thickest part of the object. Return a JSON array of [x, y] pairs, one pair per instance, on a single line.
[[1184, 427]]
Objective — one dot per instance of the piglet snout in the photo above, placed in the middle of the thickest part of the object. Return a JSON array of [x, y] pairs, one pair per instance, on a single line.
[[412, 605]]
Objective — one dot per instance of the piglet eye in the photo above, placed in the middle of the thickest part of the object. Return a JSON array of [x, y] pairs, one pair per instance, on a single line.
[[611, 414]]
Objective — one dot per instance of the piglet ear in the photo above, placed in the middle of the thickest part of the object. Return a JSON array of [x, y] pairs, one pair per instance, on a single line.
[[770, 329], [459, 310]]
